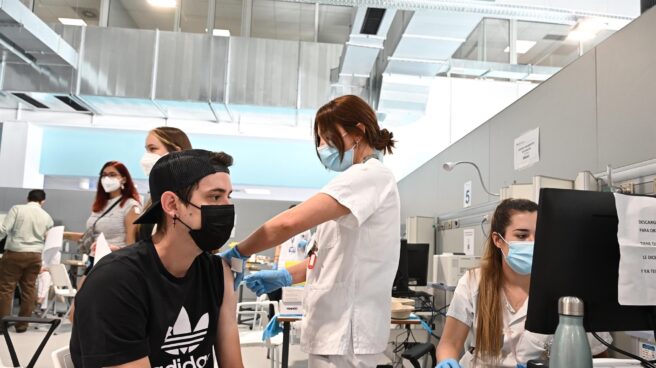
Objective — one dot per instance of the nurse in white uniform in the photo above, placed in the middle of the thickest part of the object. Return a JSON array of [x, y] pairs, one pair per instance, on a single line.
[[349, 279], [488, 310]]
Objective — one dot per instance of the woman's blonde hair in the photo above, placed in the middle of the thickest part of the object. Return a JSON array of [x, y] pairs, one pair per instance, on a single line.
[[489, 320], [173, 139]]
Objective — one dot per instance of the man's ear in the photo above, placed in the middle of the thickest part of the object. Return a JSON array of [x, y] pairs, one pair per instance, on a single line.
[[169, 203]]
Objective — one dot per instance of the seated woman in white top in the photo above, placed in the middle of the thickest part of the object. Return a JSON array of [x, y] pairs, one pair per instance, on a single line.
[[488, 309]]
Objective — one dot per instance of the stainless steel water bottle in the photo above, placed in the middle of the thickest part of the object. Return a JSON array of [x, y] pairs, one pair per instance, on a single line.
[[570, 348]]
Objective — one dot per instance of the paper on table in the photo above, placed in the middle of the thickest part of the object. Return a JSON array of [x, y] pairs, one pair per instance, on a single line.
[[102, 248], [54, 237], [636, 235]]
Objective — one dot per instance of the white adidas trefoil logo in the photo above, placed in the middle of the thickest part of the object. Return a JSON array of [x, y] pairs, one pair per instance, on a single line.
[[181, 339]]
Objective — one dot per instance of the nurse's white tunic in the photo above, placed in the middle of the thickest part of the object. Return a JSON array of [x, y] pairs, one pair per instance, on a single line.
[[348, 293]]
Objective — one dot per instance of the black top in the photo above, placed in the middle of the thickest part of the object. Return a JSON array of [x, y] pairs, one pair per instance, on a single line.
[[130, 307]]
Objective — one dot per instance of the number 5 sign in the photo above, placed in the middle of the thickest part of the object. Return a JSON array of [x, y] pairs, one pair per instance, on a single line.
[[467, 199]]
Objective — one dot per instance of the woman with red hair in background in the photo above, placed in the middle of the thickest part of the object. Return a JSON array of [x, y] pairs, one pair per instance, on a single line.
[[118, 200]]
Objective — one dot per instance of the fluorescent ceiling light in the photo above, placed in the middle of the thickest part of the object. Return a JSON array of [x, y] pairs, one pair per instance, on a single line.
[[591, 25], [72, 22], [163, 3], [587, 29], [221, 32], [580, 35], [257, 191], [522, 46]]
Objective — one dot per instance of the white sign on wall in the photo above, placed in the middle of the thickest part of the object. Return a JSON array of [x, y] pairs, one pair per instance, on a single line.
[[636, 235], [468, 245], [527, 149], [467, 195]]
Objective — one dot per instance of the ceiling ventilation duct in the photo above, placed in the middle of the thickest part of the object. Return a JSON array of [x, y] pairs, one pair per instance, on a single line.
[[372, 20], [180, 76], [369, 32], [30, 40], [35, 59]]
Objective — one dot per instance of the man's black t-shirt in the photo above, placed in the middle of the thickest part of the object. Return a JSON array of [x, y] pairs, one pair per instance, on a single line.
[[130, 307]]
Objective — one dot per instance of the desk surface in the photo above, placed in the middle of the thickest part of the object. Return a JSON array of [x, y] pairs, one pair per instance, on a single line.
[[393, 321], [74, 262], [440, 286]]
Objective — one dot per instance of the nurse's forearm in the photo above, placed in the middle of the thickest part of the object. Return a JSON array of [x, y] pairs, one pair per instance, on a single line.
[[316, 210], [299, 271], [453, 339], [272, 233], [446, 351]]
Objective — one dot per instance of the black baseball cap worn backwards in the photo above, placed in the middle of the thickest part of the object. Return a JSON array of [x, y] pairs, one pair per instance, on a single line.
[[175, 171]]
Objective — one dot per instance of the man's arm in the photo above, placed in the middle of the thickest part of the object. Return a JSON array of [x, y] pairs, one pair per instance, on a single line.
[[8, 223], [227, 347]]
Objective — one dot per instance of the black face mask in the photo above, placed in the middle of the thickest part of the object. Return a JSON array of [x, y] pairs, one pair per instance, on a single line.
[[216, 225]]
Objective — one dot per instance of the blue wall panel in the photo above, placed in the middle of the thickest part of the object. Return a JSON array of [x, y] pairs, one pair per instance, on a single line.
[[258, 161]]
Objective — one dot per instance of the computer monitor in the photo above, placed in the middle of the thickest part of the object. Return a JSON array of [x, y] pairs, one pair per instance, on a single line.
[[417, 264], [401, 278], [577, 254], [412, 269]]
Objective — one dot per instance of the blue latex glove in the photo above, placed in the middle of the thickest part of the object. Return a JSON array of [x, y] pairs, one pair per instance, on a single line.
[[272, 329], [228, 255], [266, 281], [448, 363], [275, 266]]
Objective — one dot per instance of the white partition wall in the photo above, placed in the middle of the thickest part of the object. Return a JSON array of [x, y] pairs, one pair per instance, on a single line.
[[20, 156]]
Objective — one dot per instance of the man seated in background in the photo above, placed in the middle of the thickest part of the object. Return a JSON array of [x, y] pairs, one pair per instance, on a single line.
[[166, 301], [25, 227]]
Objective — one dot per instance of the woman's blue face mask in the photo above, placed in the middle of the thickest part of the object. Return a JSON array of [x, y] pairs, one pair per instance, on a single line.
[[329, 157], [520, 255]]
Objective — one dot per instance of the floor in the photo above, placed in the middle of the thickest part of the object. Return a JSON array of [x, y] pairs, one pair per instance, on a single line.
[[26, 343]]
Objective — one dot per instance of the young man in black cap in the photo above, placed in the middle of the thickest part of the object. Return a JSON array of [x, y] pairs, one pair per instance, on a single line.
[[166, 301]]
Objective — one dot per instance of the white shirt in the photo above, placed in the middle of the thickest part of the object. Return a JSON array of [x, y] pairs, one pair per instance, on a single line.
[[290, 250], [519, 345], [348, 293]]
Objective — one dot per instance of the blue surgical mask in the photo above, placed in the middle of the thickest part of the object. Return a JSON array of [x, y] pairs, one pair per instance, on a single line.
[[520, 256], [329, 157]]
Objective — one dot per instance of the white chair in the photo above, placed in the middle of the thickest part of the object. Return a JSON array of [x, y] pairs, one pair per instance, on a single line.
[[61, 358], [258, 311], [62, 285], [51, 255]]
